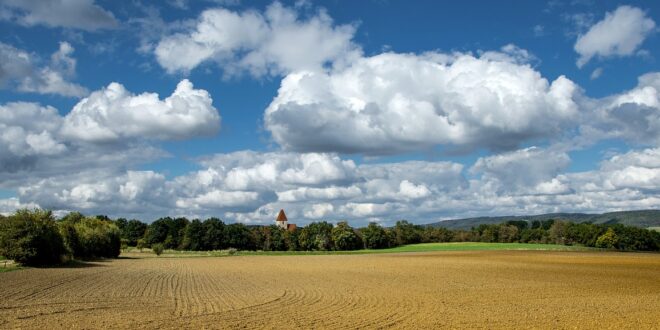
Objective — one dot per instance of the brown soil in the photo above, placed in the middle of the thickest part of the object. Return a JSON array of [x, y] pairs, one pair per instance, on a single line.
[[469, 289]]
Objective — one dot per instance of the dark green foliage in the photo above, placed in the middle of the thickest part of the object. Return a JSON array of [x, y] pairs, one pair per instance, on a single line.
[[407, 233], [157, 231], [31, 237], [214, 234], [375, 237], [317, 236], [439, 234], [132, 231], [239, 237], [193, 238], [536, 235], [168, 231], [345, 237], [520, 224], [270, 238], [636, 239], [508, 233]]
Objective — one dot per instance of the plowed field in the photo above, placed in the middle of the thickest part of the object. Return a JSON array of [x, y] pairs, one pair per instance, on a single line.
[[467, 289]]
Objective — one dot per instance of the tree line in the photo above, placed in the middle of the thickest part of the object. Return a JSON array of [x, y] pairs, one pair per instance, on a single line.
[[35, 237]]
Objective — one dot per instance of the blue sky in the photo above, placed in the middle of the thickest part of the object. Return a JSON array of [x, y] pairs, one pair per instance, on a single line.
[[365, 110]]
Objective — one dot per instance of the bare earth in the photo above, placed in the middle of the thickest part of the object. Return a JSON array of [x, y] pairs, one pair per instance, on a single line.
[[467, 289]]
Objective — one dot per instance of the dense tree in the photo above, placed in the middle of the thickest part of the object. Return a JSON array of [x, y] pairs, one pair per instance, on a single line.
[[239, 237], [407, 233], [520, 224], [558, 232], [375, 237], [214, 234], [344, 237], [508, 233], [31, 237], [193, 238], [608, 240], [440, 234], [157, 231], [132, 231], [168, 231], [95, 238], [316, 236]]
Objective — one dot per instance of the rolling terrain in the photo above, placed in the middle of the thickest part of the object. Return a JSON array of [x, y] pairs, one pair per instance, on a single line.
[[641, 218]]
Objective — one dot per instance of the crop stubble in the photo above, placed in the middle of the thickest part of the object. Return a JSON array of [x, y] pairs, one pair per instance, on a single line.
[[494, 289]]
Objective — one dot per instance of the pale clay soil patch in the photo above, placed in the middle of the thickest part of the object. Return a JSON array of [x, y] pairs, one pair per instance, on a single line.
[[467, 289]]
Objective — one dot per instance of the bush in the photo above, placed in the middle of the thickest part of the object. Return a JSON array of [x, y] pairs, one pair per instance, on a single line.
[[31, 237], [87, 237], [141, 244], [158, 248]]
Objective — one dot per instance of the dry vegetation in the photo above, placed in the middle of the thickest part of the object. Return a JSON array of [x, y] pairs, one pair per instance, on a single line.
[[468, 289]]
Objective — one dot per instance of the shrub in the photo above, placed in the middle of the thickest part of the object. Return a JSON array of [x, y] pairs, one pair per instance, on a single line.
[[31, 237], [141, 244], [87, 237], [158, 248]]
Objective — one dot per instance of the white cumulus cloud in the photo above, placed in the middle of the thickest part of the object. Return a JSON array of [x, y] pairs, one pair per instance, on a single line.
[[620, 33], [20, 70], [393, 103], [276, 41], [114, 113]]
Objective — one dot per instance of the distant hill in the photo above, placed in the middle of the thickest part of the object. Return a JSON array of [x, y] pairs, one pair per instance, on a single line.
[[642, 219]]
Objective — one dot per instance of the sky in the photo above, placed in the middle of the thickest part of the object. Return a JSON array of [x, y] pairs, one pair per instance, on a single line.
[[363, 111]]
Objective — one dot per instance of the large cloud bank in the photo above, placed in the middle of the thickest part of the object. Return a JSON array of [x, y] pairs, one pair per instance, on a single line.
[[391, 103]]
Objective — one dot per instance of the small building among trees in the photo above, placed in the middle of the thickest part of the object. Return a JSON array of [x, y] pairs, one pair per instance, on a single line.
[[283, 222]]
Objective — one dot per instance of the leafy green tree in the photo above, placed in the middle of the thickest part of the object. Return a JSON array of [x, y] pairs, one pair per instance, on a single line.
[[345, 238], [536, 235], [132, 231], [193, 238], [239, 237], [375, 237], [607, 240], [72, 217], [406, 233], [508, 233], [31, 237], [520, 224], [97, 238], [168, 231], [316, 236], [291, 239], [436, 235], [558, 232], [157, 231], [214, 234]]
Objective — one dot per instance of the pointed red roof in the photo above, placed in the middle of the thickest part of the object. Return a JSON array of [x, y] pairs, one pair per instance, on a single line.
[[281, 216]]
